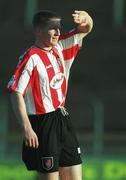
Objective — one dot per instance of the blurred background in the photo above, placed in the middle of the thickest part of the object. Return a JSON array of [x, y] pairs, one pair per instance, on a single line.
[[97, 87]]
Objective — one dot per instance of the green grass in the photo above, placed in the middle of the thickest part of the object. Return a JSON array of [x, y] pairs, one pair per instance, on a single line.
[[15, 172], [93, 169], [104, 169]]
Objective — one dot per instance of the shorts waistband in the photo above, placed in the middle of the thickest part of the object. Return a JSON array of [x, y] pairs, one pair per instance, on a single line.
[[62, 109]]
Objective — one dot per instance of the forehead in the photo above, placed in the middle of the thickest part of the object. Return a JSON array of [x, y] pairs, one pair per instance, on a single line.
[[54, 23]]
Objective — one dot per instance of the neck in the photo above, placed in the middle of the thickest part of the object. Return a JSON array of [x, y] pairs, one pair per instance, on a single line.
[[43, 47]]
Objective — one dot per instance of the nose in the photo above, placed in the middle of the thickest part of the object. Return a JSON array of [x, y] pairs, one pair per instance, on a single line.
[[57, 32]]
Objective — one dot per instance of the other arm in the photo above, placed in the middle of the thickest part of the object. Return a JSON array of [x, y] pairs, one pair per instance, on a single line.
[[19, 108]]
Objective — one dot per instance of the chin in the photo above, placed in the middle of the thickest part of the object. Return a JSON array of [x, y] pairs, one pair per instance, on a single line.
[[54, 44]]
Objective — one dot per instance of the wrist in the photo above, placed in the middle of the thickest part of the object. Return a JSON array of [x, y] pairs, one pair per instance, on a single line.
[[26, 126]]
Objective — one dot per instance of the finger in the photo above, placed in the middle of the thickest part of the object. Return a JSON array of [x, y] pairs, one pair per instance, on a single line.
[[75, 15], [33, 142], [80, 12], [36, 143], [77, 12], [30, 142]]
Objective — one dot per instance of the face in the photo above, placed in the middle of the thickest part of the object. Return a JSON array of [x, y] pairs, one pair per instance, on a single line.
[[49, 35]]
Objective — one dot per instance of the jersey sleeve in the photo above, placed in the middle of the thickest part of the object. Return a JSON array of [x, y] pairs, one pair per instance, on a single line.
[[70, 44], [21, 78]]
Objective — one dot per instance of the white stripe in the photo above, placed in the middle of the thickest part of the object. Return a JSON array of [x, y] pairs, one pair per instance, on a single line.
[[30, 106], [65, 65], [58, 50], [25, 76], [60, 95], [23, 81], [44, 84], [54, 62], [56, 70], [22, 84]]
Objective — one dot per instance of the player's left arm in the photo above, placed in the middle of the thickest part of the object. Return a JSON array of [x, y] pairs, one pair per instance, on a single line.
[[83, 20]]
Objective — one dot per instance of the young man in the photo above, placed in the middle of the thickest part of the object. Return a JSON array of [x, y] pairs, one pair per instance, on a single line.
[[38, 91]]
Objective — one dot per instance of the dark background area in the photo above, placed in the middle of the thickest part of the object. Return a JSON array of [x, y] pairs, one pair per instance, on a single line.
[[97, 76]]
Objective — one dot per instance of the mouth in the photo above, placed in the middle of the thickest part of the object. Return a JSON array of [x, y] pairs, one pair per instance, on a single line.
[[55, 39]]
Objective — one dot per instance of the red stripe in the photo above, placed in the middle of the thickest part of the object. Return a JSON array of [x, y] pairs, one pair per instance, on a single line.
[[64, 90], [51, 74], [70, 52], [68, 35], [36, 91]]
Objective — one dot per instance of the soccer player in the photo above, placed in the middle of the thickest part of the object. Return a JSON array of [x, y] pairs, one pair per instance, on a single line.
[[38, 92]]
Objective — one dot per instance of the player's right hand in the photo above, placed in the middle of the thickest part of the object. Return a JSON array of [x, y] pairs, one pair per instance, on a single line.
[[30, 138]]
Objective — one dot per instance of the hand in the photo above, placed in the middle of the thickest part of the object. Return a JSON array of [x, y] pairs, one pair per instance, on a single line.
[[80, 17], [84, 21], [31, 138]]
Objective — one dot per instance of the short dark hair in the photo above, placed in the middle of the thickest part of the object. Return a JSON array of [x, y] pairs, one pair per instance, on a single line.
[[42, 17]]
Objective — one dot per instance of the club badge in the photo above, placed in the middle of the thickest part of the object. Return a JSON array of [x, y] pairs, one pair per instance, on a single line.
[[47, 163], [57, 81]]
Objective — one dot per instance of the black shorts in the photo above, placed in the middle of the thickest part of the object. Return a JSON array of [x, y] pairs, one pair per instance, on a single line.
[[58, 145]]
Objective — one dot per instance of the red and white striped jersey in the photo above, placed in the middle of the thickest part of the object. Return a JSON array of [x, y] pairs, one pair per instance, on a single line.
[[42, 77]]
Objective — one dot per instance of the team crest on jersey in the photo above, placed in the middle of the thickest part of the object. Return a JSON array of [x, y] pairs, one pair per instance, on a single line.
[[47, 163], [57, 81]]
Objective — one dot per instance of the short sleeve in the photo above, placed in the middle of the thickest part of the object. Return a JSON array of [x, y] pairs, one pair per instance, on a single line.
[[21, 77]]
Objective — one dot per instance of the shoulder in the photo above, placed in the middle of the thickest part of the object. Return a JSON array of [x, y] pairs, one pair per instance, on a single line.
[[25, 56]]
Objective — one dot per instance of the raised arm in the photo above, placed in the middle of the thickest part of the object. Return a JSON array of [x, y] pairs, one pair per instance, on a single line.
[[83, 20]]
